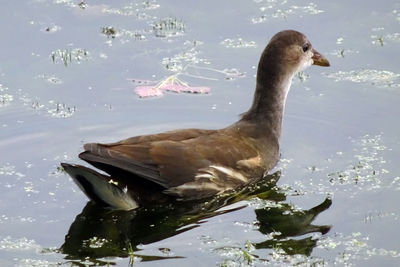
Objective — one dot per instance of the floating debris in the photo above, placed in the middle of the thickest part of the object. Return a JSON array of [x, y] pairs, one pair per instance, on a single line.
[[272, 10], [234, 255], [168, 27], [51, 29], [343, 52], [136, 35], [186, 63], [368, 168], [365, 171], [112, 33], [352, 246], [50, 79], [189, 60], [37, 105], [35, 262], [377, 39], [238, 43], [82, 5], [380, 78], [5, 99], [18, 219], [125, 11], [133, 9], [148, 5], [171, 84], [393, 37], [28, 188], [58, 171], [54, 108], [311, 9], [382, 39], [10, 170], [179, 62], [69, 3], [68, 56], [60, 110], [8, 243], [232, 74], [109, 31]]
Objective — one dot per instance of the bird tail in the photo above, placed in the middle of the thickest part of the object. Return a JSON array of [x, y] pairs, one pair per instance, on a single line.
[[100, 188]]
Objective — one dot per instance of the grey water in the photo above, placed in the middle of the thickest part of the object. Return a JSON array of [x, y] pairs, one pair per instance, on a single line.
[[66, 78]]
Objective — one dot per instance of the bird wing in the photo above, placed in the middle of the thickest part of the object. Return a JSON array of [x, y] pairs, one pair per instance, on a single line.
[[189, 163], [136, 154], [211, 165]]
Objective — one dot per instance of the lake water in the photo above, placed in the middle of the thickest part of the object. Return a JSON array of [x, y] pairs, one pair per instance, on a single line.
[[66, 71]]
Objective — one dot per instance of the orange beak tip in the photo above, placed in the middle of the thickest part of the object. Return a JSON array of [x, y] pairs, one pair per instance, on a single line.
[[320, 60]]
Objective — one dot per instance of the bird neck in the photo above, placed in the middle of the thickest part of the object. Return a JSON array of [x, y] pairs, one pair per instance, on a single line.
[[268, 105]]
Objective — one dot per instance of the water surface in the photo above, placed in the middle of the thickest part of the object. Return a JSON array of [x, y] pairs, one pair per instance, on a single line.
[[65, 73]]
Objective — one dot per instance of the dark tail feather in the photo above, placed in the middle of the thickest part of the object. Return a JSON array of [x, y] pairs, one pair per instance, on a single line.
[[99, 188], [105, 158]]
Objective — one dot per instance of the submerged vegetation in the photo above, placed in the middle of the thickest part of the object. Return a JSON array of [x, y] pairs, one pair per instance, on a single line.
[[378, 78], [168, 27], [109, 31], [67, 56], [61, 110], [5, 98]]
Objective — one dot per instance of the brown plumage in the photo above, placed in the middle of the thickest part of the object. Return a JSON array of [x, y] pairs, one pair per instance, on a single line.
[[193, 163]]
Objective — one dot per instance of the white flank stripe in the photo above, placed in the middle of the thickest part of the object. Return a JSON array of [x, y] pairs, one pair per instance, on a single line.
[[204, 175], [198, 187], [230, 172]]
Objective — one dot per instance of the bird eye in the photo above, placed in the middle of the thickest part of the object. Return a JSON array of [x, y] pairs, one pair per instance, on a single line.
[[306, 47]]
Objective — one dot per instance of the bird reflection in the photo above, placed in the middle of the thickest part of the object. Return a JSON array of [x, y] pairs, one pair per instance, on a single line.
[[98, 232], [284, 222]]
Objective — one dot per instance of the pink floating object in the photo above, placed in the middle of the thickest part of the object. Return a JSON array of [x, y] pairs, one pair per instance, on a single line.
[[178, 88], [147, 91], [140, 81], [171, 84]]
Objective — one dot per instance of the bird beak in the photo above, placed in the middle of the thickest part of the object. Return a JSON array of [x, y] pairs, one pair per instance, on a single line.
[[319, 59]]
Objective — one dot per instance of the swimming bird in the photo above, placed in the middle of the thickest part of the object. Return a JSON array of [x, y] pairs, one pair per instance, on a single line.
[[192, 164]]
